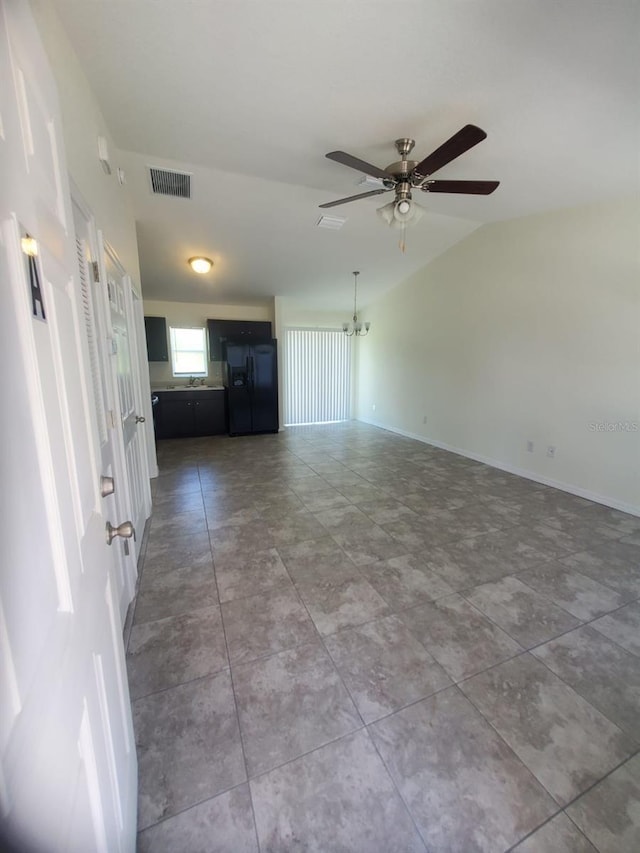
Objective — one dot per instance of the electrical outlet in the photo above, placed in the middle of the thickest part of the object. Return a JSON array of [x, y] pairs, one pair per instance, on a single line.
[[424, 420], [529, 447], [551, 451]]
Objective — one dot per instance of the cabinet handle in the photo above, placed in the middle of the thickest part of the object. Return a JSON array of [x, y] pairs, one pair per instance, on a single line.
[[140, 419]]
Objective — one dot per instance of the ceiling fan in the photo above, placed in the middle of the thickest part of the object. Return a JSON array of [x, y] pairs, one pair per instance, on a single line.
[[407, 175]]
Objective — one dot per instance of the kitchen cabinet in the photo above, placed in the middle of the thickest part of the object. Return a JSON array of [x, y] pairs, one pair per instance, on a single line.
[[237, 332], [156, 333], [185, 414]]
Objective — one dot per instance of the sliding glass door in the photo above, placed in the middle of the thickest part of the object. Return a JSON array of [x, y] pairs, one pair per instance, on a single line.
[[317, 381]]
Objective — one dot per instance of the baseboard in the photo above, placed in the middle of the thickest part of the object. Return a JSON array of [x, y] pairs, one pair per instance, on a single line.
[[510, 469]]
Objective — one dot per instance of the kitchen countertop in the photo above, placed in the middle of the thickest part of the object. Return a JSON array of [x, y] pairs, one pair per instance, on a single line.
[[188, 388]]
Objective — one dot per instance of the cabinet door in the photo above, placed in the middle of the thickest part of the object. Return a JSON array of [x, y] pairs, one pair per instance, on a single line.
[[203, 416], [260, 331], [222, 332], [218, 422], [176, 418], [216, 336], [250, 331], [156, 334]]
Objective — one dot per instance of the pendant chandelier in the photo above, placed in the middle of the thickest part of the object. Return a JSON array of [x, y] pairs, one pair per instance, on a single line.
[[356, 327]]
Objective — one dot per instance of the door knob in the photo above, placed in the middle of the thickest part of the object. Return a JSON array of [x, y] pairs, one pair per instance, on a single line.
[[107, 486], [140, 419], [126, 530]]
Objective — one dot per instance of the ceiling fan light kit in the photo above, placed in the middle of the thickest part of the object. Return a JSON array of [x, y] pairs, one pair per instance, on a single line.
[[200, 265], [406, 175]]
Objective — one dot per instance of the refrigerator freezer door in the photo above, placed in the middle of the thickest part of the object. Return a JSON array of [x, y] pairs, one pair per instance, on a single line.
[[239, 411], [264, 387], [238, 389]]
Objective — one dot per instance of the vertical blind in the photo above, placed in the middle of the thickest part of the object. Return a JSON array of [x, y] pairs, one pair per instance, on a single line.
[[317, 376]]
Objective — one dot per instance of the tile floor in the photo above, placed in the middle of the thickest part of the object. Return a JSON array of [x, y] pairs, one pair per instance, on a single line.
[[346, 640]]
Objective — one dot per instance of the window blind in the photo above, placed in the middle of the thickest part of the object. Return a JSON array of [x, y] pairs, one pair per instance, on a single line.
[[317, 376]]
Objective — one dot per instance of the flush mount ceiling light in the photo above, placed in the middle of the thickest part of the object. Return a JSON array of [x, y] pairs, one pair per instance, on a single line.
[[356, 327], [200, 265]]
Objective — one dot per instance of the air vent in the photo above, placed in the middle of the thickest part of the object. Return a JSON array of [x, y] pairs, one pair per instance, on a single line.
[[168, 182], [333, 223]]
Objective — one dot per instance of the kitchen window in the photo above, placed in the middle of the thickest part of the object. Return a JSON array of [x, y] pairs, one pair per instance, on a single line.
[[188, 351]]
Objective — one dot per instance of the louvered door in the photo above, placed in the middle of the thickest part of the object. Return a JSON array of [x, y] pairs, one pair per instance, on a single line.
[[111, 463]]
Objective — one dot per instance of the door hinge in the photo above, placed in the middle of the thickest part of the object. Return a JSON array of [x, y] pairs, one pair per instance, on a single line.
[[95, 269], [111, 418]]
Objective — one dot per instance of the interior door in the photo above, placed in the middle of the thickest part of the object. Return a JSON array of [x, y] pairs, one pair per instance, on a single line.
[[129, 410], [67, 753], [113, 472]]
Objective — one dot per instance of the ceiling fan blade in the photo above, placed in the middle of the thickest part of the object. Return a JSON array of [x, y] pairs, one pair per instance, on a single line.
[[470, 187], [460, 142], [353, 198], [361, 165]]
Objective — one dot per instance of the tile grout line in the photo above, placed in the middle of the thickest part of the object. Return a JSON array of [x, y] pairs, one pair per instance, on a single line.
[[563, 809], [235, 705], [393, 612]]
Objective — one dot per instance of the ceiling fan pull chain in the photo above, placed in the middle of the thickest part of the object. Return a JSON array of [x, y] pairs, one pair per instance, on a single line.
[[402, 243]]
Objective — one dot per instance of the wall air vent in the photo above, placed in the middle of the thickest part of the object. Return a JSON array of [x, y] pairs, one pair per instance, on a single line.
[[333, 223], [169, 182]]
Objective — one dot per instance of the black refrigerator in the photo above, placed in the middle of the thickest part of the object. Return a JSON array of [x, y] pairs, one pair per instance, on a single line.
[[251, 380]]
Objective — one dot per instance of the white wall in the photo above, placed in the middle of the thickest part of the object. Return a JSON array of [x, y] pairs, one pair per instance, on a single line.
[[196, 314], [82, 124], [108, 201], [526, 330]]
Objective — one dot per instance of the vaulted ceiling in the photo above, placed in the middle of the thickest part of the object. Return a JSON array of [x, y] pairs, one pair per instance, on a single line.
[[249, 95]]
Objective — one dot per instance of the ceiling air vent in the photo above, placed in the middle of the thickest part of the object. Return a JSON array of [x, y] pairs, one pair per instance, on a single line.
[[168, 182], [334, 223]]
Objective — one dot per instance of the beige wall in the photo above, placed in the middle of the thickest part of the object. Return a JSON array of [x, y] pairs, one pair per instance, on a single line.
[[197, 314], [526, 330]]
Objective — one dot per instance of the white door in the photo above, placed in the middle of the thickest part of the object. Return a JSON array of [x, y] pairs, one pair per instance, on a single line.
[[127, 382], [113, 474], [67, 753]]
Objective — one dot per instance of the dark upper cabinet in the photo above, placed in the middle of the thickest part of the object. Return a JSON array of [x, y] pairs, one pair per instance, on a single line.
[[222, 332], [156, 332]]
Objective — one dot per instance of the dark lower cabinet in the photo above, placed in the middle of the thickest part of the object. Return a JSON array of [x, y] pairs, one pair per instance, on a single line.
[[185, 414]]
